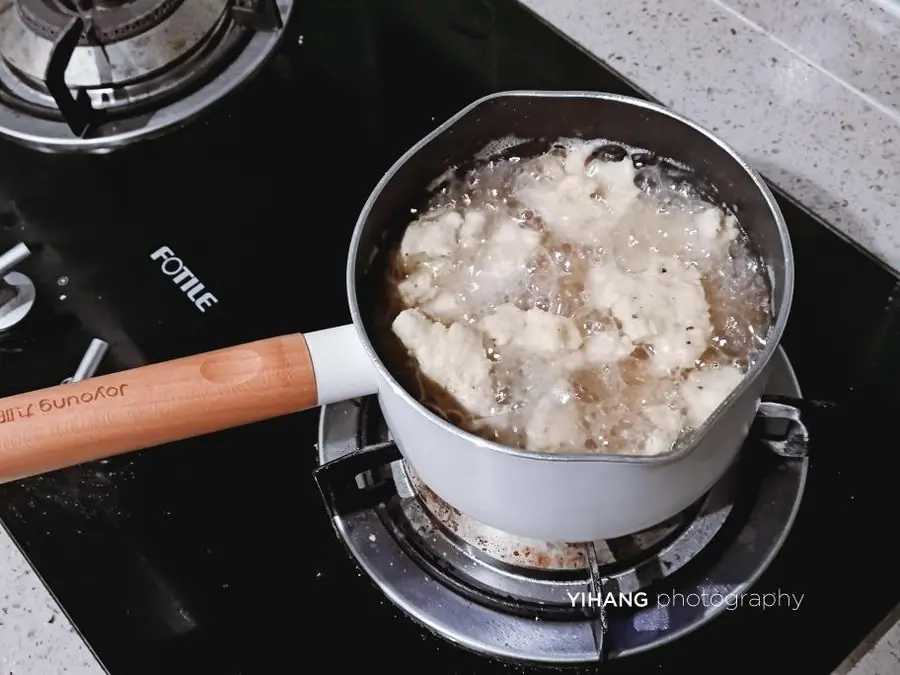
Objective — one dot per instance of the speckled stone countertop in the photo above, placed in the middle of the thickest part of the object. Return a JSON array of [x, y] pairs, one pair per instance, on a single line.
[[808, 92], [36, 638]]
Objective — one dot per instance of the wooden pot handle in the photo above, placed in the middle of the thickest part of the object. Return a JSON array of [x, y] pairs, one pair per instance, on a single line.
[[69, 424]]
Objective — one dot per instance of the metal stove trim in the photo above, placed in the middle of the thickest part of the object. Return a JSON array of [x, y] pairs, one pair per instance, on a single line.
[[491, 633], [411, 523]]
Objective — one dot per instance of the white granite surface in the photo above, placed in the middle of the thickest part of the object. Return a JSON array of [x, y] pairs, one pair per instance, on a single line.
[[809, 92], [36, 638], [879, 654]]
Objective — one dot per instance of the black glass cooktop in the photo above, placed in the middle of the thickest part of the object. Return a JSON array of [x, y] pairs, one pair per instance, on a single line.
[[215, 554]]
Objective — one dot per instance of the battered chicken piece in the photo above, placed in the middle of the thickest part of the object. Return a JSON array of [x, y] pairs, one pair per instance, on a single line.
[[534, 331], [580, 204], [714, 233], [704, 390], [703, 237], [504, 324], [499, 258], [667, 422], [420, 286], [607, 346], [547, 334], [417, 287], [616, 184], [444, 307], [663, 307], [628, 272], [611, 183], [555, 425], [472, 231], [508, 250], [709, 223], [500, 264], [433, 236], [454, 358]]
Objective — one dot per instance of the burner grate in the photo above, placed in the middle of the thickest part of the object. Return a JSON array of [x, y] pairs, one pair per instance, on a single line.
[[106, 21], [477, 595], [520, 554], [548, 580], [521, 576]]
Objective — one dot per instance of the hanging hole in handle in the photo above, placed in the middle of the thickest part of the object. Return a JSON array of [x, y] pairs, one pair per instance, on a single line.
[[781, 424]]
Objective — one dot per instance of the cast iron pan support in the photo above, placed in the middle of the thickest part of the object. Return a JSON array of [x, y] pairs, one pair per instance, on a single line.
[[344, 495], [76, 110], [260, 15], [597, 592], [792, 443], [338, 485]]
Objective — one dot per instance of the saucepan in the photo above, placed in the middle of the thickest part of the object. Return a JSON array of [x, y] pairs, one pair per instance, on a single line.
[[546, 496]]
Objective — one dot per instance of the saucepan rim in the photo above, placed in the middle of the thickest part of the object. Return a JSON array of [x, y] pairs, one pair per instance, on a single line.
[[687, 444]]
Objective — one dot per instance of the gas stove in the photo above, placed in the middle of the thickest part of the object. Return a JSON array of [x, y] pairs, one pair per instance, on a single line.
[[91, 75], [551, 603], [219, 553]]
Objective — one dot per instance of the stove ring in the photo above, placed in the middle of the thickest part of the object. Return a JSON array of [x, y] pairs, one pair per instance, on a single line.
[[750, 542]]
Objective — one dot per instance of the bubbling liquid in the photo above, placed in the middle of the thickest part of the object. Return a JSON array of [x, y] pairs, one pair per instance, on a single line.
[[587, 299]]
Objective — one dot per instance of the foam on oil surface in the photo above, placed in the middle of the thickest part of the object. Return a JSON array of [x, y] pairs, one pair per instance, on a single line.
[[588, 299]]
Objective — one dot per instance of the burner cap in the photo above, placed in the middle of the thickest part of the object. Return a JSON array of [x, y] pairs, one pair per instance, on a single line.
[[91, 75]]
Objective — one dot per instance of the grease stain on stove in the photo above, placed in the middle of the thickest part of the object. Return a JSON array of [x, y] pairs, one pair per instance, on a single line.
[[523, 552], [747, 537]]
